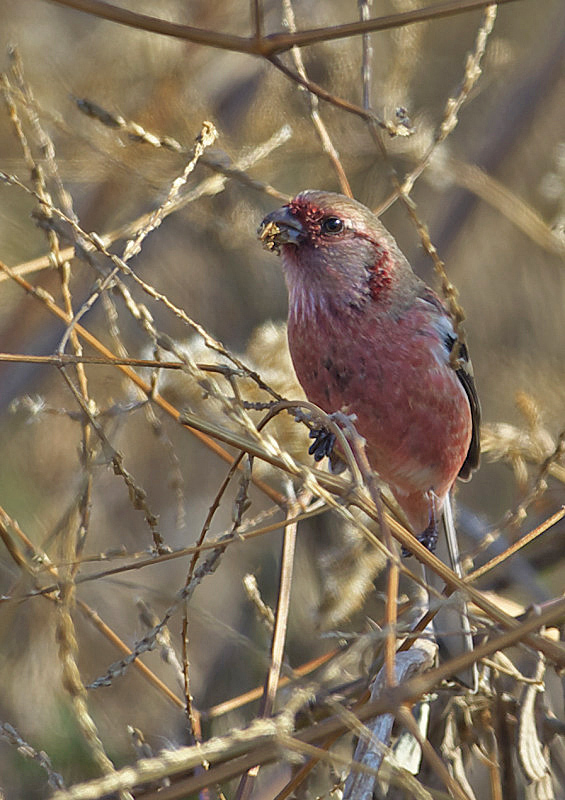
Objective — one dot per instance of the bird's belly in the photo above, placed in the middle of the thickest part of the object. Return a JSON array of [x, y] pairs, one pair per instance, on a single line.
[[410, 408]]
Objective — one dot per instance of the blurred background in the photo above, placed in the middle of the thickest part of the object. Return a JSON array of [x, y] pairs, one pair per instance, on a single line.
[[493, 198]]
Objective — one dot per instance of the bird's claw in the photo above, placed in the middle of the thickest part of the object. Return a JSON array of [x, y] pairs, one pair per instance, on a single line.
[[323, 444], [428, 538]]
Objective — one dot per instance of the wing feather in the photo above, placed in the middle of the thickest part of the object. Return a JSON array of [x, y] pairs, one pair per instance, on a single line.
[[465, 374]]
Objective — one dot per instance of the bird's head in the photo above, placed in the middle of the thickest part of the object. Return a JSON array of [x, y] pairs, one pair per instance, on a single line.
[[332, 247]]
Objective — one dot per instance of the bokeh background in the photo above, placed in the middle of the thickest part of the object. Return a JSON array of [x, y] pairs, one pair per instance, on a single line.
[[493, 198]]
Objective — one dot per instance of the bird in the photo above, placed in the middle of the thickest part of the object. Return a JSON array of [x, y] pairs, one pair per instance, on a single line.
[[368, 336]]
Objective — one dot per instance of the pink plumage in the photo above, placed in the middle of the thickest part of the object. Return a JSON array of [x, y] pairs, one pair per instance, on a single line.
[[368, 336]]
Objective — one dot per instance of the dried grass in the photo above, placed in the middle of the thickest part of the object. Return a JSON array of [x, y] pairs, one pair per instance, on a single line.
[[154, 643]]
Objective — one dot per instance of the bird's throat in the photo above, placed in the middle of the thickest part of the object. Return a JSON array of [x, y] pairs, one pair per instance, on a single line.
[[321, 292]]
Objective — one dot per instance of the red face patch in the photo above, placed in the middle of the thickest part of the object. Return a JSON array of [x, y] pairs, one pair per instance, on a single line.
[[309, 215], [380, 273]]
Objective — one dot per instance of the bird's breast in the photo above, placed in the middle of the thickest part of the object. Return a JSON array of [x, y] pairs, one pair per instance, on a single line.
[[394, 375]]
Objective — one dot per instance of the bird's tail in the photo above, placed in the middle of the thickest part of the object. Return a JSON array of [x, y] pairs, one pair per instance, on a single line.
[[451, 623]]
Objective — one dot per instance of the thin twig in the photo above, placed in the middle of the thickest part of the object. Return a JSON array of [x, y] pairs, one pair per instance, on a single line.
[[279, 635], [473, 72], [210, 186], [321, 129], [9, 734], [274, 43]]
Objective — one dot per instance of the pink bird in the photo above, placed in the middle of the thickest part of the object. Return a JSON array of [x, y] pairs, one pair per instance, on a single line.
[[368, 336]]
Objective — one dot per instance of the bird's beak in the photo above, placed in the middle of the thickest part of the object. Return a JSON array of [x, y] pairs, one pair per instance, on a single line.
[[280, 227]]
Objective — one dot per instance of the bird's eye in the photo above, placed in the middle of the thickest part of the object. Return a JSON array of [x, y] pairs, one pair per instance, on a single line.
[[332, 225]]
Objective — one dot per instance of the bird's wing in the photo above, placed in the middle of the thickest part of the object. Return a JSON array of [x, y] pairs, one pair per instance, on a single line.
[[464, 372], [465, 375]]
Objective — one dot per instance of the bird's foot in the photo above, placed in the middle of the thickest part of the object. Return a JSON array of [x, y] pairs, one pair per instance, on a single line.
[[323, 444], [428, 538], [324, 447]]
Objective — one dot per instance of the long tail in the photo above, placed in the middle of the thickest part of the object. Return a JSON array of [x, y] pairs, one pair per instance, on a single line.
[[451, 623]]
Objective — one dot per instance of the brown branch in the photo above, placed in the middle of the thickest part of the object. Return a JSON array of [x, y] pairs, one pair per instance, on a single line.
[[280, 42], [274, 43], [61, 359]]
